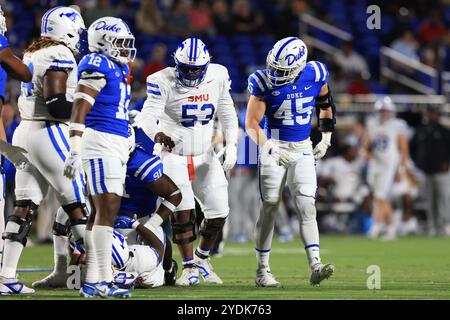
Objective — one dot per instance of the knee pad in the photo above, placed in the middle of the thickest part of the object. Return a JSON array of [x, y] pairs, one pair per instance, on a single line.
[[306, 208], [60, 229], [180, 227], [17, 229], [211, 227]]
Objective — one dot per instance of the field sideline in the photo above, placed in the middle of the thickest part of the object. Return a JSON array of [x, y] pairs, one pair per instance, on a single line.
[[411, 268]]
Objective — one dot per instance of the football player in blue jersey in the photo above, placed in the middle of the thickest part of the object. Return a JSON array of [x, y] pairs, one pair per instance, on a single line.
[[19, 71], [287, 92], [99, 143]]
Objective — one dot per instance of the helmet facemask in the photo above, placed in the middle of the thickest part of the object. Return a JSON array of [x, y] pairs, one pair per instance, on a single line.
[[190, 75], [121, 48], [279, 76]]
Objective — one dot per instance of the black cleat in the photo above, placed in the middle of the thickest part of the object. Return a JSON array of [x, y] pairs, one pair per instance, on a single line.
[[171, 276]]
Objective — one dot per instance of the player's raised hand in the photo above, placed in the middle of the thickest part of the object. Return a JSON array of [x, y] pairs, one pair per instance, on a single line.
[[230, 157], [167, 141], [125, 222], [72, 165], [15, 154]]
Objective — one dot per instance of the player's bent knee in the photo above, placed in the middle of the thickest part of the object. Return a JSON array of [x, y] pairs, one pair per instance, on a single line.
[[183, 227], [60, 229], [17, 229], [211, 227]]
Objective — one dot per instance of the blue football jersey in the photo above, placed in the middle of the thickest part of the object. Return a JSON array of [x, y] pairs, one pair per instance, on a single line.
[[110, 111], [289, 108], [137, 198], [3, 42], [3, 78]]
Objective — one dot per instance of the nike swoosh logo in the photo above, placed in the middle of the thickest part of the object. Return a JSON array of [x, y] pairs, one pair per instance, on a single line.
[[209, 81], [307, 88]]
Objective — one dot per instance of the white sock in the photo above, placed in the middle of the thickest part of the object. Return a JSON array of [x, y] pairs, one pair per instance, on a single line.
[[262, 258], [91, 261], [60, 254], [309, 233], [102, 236], [11, 255]]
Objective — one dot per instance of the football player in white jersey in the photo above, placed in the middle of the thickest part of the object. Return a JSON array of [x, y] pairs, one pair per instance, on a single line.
[[178, 113], [45, 106], [287, 93], [99, 143], [388, 150], [144, 258], [15, 68]]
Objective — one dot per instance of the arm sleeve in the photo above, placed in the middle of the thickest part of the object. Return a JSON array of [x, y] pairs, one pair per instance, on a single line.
[[226, 111], [153, 107]]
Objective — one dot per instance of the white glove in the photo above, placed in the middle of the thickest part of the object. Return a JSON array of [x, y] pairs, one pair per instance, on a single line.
[[272, 151], [72, 165], [230, 157], [321, 148], [15, 154], [157, 149]]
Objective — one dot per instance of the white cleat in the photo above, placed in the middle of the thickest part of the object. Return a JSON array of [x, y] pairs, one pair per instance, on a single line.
[[320, 272], [206, 270], [189, 277], [53, 280], [10, 286], [264, 278]]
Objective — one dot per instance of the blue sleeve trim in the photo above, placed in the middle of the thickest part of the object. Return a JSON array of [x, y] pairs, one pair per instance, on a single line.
[[154, 85], [157, 93]]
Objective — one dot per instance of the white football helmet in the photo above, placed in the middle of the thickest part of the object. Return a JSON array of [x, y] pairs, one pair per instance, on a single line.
[[2, 22], [63, 24], [285, 60], [120, 251], [113, 38], [385, 103], [191, 62]]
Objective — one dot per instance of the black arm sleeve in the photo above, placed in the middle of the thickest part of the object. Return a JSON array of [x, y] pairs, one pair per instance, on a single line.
[[59, 107]]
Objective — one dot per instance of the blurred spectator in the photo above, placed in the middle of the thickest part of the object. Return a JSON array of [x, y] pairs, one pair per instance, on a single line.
[[222, 17], [432, 29], [246, 20], [178, 18], [289, 19], [430, 150], [149, 19], [200, 18], [101, 8], [157, 61], [406, 45], [351, 61], [358, 85]]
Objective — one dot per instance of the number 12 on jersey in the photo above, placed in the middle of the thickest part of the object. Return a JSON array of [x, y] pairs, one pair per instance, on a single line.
[[291, 111]]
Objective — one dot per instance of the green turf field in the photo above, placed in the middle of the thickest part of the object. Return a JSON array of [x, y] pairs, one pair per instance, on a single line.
[[411, 268]]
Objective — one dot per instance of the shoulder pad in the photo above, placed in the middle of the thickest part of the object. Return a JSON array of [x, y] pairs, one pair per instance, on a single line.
[[58, 58], [96, 62], [316, 71], [258, 83]]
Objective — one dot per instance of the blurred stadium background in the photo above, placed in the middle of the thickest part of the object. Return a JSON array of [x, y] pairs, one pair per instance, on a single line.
[[406, 58]]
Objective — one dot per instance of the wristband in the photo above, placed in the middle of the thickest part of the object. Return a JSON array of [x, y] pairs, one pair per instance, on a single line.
[[75, 144]]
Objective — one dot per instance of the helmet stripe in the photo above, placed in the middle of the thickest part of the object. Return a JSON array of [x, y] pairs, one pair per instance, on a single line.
[[195, 48], [191, 49], [283, 46], [121, 264], [46, 18]]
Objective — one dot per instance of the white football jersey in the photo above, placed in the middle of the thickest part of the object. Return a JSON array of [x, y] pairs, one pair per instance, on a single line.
[[31, 101], [187, 114], [384, 138]]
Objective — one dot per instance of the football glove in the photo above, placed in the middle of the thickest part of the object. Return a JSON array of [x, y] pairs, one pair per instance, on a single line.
[[125, 222], [321, 148], [72, 165], [230, 157], [272, 151]]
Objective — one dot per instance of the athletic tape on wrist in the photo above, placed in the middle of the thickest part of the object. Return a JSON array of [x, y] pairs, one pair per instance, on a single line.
[[84, 96]]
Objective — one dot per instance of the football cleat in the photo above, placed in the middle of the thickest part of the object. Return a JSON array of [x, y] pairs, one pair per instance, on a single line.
[[88, 290], [10, 286], [206, 270], [189, 277], [264, 278], [125, 280], [320, 272], [110, 290], [53, 280], [170, 276]]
